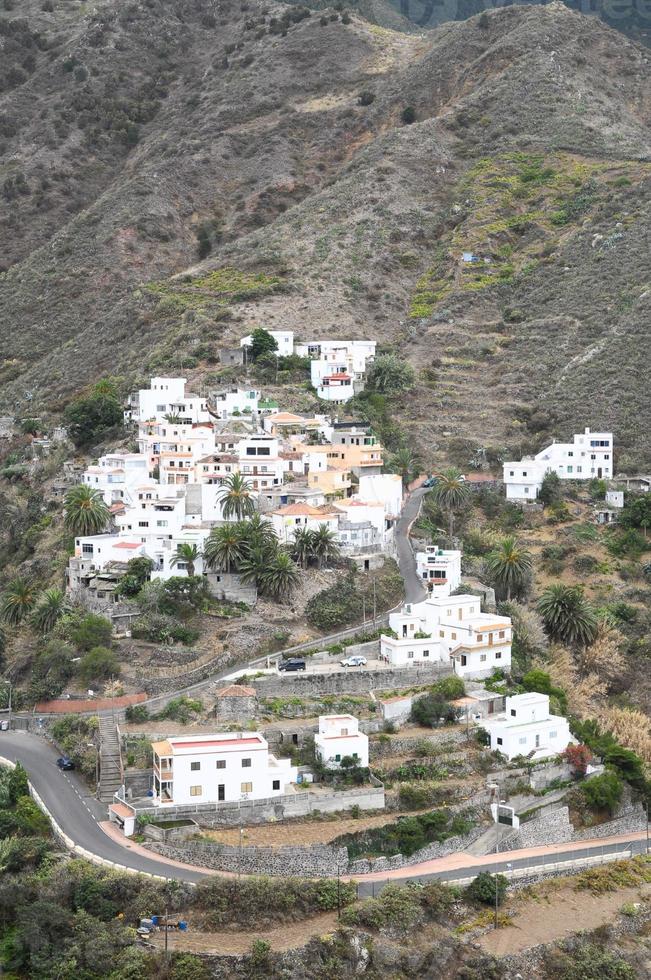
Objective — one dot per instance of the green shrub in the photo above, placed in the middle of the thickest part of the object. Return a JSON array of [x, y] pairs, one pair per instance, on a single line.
[[397, 907], [91, 418], [432, 711], [99, 664], [136, 713], [486, 888], [406, 836], [603, 792], [449, 688], [181, 709], [92, 631], [163, 629]]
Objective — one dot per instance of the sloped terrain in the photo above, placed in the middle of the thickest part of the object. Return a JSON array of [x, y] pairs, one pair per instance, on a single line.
[[241, 137]]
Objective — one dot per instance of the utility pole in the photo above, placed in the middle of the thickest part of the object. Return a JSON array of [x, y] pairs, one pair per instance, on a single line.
[[374, 606], [167, 931]]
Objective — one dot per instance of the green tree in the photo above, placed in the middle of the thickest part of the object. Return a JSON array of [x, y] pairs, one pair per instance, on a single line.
[[99, 664], [280, 577], [85, 511], [451, 493], [567, 616], [90, 418], [324, 546], [603, 792], [390, 374], [236, 497], [551, 491], [637, 513], [188, 554], [18, 601], [18, 784], [484, 887], [433, 710], [508, 566], [262, 343], [404, 462], [302, 549], [224, 548], [258, 532], [92, 631], [50, 607]]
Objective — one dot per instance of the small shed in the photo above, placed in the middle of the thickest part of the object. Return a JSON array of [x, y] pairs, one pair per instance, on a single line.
[[236, 702], [232, 356]]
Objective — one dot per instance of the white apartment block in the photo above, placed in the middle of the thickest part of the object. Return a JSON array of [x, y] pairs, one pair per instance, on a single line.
[[355, 354], [440, 570], [163, 438], [116, 475], [259, 461], [167, 397], [224, 767], [411, 646], [234, 402], [588, 456], [284, 339], [339, 738], [527, 728]]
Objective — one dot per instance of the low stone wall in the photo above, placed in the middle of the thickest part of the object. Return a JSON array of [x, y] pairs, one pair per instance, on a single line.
[[317, 860], [250, 812], [347, 681], [439, 738], [552, 827], [632, 819], [162, 834], [538, 776]]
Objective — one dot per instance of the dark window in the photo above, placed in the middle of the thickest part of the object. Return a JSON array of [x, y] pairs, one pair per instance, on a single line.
[[499, 741], [275, 784], [220, 764], [195, 766], [246, 763], [513, 712]]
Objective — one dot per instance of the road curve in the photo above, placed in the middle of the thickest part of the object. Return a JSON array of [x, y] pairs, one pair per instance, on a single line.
[[79, 816], [414, 588]]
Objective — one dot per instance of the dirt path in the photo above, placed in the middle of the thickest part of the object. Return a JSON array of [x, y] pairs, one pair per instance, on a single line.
[[289, 935], [558, 915]]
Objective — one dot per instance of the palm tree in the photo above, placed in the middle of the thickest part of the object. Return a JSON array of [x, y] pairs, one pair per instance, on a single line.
[[224, 547], [258, 532], [324, 545], [188, 554], [280, 577], [18, 600], [3, 640], [567, 616], [303, 545], [403, 462], [235, 494], [450, 492], [508, 565], [253, 565], [86, 512], [49, 609]]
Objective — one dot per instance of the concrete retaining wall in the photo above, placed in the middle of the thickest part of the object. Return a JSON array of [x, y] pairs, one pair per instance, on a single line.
[[347, 681]]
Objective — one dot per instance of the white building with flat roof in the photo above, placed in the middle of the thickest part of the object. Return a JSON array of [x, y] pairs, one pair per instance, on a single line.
[[440, 570], [339, 738], [234, 401], [115, 476], [589, 456], [283, 338], [224, 767], [527, 728], [167, 397]]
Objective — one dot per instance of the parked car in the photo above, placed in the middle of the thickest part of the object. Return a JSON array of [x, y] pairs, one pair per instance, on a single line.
[[65, 762], [353, 662], [293, 664], [4, 725], [429, 482]]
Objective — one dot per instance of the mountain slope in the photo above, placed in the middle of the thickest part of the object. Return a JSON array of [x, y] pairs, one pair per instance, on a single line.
[[530, 148]]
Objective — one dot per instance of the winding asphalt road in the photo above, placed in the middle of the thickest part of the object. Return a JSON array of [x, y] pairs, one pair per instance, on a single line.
[[414, 589]]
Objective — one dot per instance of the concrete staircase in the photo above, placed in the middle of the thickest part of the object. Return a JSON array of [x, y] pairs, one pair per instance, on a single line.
[[110, 761]]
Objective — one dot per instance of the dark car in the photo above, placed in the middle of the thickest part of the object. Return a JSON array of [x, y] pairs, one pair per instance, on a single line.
[[293, 664], [429, 482], [65, 762]]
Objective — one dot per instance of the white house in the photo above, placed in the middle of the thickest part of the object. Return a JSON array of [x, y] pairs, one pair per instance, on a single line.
[[439, 569], [167, 396], [412, 644], [384, 488], [588, 456], [218, 768], [234, 401], [299, 516], [336, 386], [527, 728], [284, 339], [339, 738], [356, 353], [259, 461], [115, 475]]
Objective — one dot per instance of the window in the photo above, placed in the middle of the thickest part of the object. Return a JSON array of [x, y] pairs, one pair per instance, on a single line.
[[220, 764], [275, 784], [410, 655], [196, 791], [499, 741], [453, 635], [502, 634], [526, 489], [523, 740], [426, 653], [246, 763], [482, 658], [441, 634], [553, 734], [246, 787], [498, 655], [513, 712], [570, 469], [338, 757], [195, 766], [86, 549], [570, 453], [511, 473], [579, 469]]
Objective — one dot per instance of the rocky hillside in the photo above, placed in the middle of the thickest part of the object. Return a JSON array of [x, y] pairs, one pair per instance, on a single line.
[[173, 172]]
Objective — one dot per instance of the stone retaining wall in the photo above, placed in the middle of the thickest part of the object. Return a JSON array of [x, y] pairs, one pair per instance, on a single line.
[[429, 853], [554, 827], [317, 860], [406, 745], [347, 681], [632, 819]]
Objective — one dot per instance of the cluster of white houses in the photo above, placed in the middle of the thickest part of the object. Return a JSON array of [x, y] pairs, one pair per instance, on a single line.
[[228, 767], [303, 472], [337, 367], [589, 456]]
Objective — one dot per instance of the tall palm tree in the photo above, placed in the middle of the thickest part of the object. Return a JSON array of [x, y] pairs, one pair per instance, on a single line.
[[224, 547], [188, 554], [280, 577], [450, 492], [235, 494], [508, 565], [403, 462], [85, 511], [567, 615], [324, 545], [50, 607], [252, 567], [303, 545], [18, 600]]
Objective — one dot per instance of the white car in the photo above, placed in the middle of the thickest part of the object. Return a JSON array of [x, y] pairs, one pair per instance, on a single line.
[[353, 662]]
